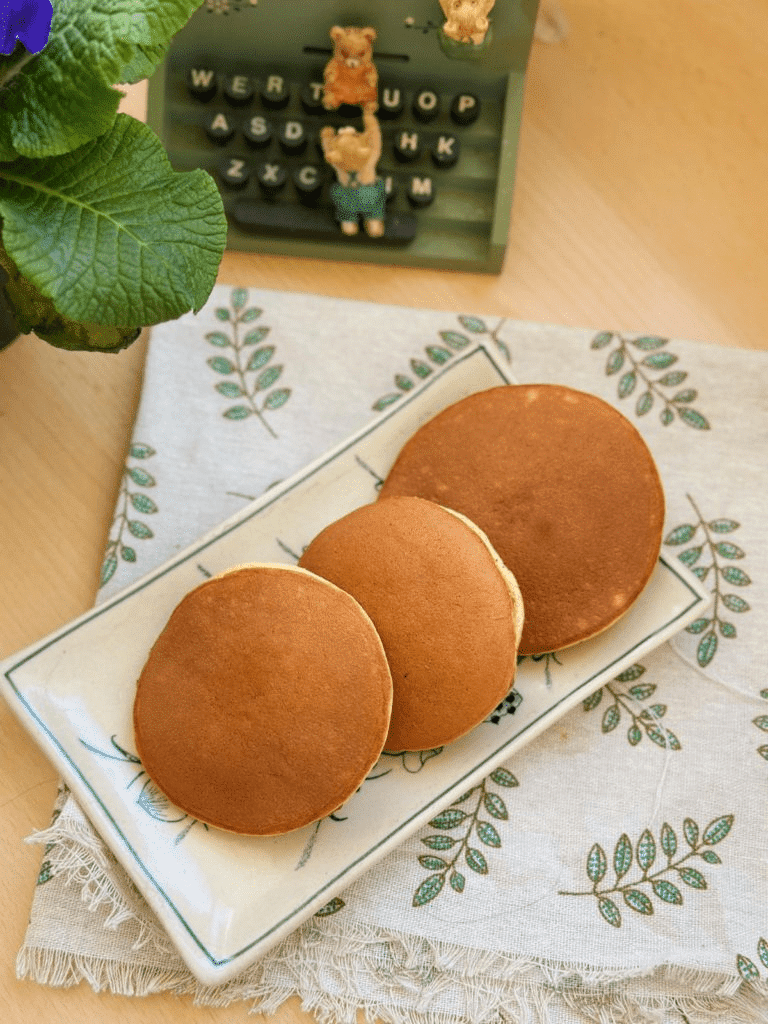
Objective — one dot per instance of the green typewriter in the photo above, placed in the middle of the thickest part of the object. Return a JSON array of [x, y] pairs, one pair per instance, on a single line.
[[244, 92]]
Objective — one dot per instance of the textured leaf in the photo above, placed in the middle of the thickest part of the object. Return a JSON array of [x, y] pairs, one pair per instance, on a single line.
[[238, 298], [277, 398], [717, 830], [142, 503], [420, 368], [590, 703], [668, 840], [746, 968], [630, 674], [667, 891], [723, 525], [218, 339], [734, 603], [691, 555], [680, 534], [495, 806], [654, 712], [649, 343], [403, 382], [432, 863], [386, 400], [428, 890], [692, 877], [476, 861], [602, 339], [128, 554], [268, 377], [250, 315], [734, 575], [503, 777], [139, 530], [332, 907], [685, 396], [108, 567], [229, 389], [762, 952], [141, 476], [727, 630], [260, 357], [642, 691], [257, 336], [707, 649], [728, 550], [634, 735], [473, 324], [439, 842], [666, 416], [638, 901], [646, 850], [691, 832], [596, 863], [130, 218], [622, 856], [454, 339], [698, 626], [90, 48], [488, 834], [710, 857], [237, 412], [660, 360], [611, 718], [614, 362], [763, 752], [610, 911], [449, 818], [141, 451], [671, 380], [761, 722], [457, 881], [627, 383], [644, 403], [693, 419], [438, 354], [222, 313]]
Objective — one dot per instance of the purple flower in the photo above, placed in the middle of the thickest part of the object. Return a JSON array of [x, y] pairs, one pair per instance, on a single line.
[[29, 21]]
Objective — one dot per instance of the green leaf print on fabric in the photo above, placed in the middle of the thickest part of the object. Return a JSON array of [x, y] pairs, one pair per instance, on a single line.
[[710, 559], [636, 362], [747, 968], [451, 341], [631, 697], [125, 526], [762, 724], [668, 854], [332, 907], [244, 363], [450, 855]]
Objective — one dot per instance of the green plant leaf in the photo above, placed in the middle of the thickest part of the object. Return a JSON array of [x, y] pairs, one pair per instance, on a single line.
[[707, 649], [473, 324], [268, 377], [141, 451], [627, 383], [693, 419], [108, 567], [277, 398], [668, 840], [602, 339], [710, 857], [646, 850], [495, 806], [141, 476], [110, 233], [692, 877], [634, 735], [432, 863], [727, 630], [229, 389], [638, 901], [611, 718], [609, 911], [332, 907], [691, 832], [686, 396], [671, 380], [717, 830], [644, 403], [256, 336], [597, 863], [218, 339], [622, 856], [476, 860], [642, 691], [649, 343], [488, 834], [403, 382], [449, 818], [128, 554], [65, 96], [386, 400], [761, 722], [420, 368], [221, 365], [727, 550], [698, 626], [691, 555], [735, 575], [438, 354], [454, 339], [762, 952], [680, 534], [734, 603], [614, 362], [590, 703], [630, 674], [439, 842], [723, 525], [142, 503], [139, 530], [503, 777], [428, 890], [660, 360], [457, 881], [237, 412], [746, 968], [666, 891]]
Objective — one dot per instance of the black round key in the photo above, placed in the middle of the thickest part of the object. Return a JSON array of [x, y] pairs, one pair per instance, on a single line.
[[258, 132], [407, 146], [234, 172], [311, 97], [465, 108], [445, 151], [201, 83], [420, 191], [238, 89], [293, 137], [391, 102], [426, 105], [271, 177], [219, 128], [275, 92], [308, 182]]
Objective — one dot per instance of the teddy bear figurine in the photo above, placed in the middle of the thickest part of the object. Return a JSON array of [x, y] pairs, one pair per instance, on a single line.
[[466, 20], [358, 191], [350, 75]]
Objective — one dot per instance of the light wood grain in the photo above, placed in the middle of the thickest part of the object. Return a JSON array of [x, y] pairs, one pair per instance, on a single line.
[[640, 205]]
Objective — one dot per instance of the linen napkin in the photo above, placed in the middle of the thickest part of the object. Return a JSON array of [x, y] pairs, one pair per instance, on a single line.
[[625, 873]]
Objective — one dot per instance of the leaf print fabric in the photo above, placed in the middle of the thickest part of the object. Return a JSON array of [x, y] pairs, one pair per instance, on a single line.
[[613, 866]]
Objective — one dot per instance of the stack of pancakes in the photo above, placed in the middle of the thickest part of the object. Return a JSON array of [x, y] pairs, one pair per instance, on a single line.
[[272, 690]]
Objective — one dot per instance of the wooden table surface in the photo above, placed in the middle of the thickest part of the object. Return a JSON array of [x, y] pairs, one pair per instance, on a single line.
[[641, 204]]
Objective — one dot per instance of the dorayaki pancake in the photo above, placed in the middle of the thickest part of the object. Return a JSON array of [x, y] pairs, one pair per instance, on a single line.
[[264, 702], [566, 490], [448, 613]]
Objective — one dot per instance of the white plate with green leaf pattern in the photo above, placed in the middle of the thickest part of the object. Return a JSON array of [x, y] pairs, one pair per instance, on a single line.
[[225, 899]]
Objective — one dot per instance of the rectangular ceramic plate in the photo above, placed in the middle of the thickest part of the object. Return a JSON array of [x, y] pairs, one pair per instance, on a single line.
[[225, 899]]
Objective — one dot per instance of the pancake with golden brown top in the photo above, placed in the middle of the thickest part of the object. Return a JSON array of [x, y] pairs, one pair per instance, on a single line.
[[264, 702], [448, 613], [564, 487]]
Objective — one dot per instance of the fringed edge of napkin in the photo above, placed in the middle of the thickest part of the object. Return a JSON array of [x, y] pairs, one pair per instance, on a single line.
[[370, 971]]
